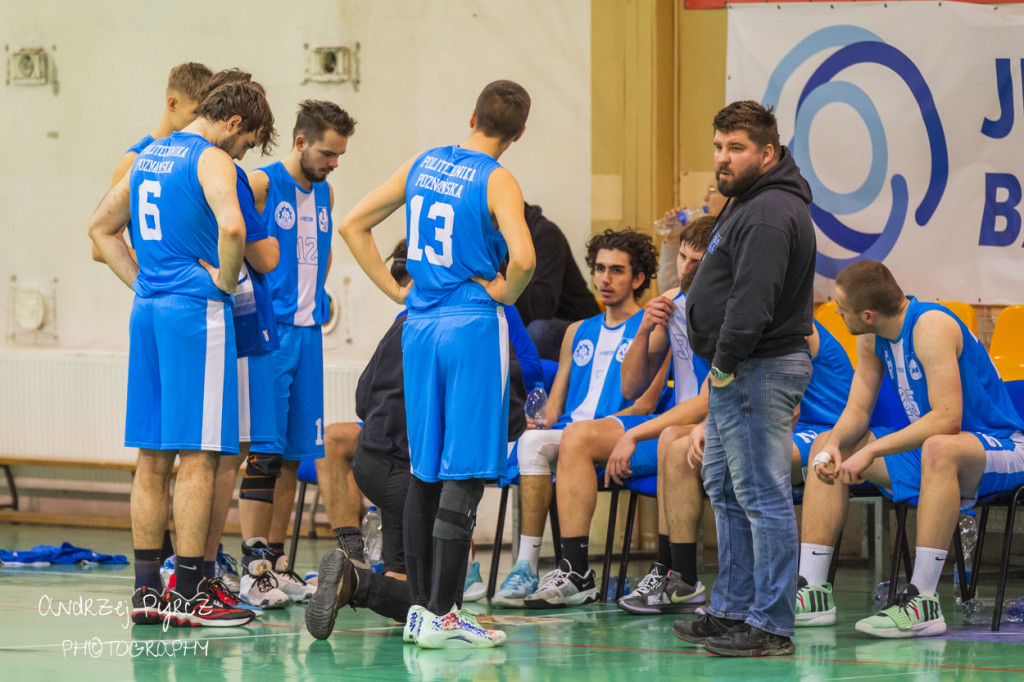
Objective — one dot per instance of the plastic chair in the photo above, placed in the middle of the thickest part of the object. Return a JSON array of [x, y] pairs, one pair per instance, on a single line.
[[966, 313], [648, 487], [826, 314], [499, 533], [1006, 349]]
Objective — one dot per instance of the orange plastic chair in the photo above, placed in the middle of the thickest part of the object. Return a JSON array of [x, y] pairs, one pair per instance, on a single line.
[[830, 320], [1007, 347], [966, 313]]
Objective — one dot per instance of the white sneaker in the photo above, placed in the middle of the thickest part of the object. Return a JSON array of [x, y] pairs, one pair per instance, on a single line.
[[259, 587], [413, 621], [456, 631], [290, 583], [563, 587], [474, 589]]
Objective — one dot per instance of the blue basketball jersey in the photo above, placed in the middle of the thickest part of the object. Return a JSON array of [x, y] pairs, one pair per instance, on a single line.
[[986, 404], [831, 377], [173, 225], [255, 326], [595, 379], [301, 222], [450, 235], [688, 370], [139, 146]]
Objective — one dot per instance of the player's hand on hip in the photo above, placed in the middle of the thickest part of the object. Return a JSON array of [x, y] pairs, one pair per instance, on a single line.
[[496, 288], [226, 287], [695, 449], [403, 293]]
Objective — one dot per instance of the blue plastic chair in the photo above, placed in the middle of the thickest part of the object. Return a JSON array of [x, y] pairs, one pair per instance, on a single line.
[[306, 476]]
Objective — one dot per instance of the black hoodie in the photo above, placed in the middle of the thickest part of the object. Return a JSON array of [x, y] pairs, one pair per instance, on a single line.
[[753, 294]]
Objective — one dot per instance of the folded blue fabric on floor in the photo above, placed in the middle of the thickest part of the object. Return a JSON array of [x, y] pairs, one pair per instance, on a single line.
[[65, 554]]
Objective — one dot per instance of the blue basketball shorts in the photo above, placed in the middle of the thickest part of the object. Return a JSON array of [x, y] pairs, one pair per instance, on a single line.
[[257, 412], [182, 375], [644, 461], [455, 361], [1004, 467], [298, 368]]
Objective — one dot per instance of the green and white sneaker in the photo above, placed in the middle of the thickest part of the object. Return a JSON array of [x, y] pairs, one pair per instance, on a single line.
[[814, 605], [413, 621], [913, 615], [455, 631]]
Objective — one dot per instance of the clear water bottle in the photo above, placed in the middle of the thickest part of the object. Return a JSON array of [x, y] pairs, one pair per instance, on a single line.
[[969, 540], [980, 611], [536, 406], [882, 591], [673, 221], [372, 538]]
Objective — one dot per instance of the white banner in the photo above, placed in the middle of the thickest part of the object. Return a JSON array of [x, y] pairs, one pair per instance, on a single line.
[[907, 120]]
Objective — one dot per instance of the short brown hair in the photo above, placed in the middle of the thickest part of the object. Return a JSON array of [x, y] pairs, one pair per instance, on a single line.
[[189, 79], [868, 285], [643, 257], [238, 76], [757, 121], [697, 233], [245, 99], [316, 116], [502, 109]]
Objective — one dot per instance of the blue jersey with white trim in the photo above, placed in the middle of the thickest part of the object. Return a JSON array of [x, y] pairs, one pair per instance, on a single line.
[[255, 328], [136, 149], [831, 377], [301, 222], [595, 378], [449, 233], [987, 407], [173, 226], [688, 369]]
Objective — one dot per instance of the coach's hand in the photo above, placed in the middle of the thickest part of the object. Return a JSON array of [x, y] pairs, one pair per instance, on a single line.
[[226, 287]]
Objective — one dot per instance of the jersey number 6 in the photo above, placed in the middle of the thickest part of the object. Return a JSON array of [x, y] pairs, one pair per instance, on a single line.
[[442, 235], [146, 189]]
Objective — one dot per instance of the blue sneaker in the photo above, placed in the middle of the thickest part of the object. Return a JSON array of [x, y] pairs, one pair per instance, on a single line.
[[227, 570], [474, 589], [167, 573], [519, 584]]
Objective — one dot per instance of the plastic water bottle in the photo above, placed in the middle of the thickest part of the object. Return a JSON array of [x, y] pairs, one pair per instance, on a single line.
[[882, 591], [613, 587], [372, 538], [674, 221], [536, 406], [969, 540], [980, 611]]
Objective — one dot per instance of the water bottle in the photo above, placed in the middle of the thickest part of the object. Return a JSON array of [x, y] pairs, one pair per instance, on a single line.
[[969, 540], [372, 539], [613, 586], [882, 591], [674, 221], [980, 611], [536, 406]]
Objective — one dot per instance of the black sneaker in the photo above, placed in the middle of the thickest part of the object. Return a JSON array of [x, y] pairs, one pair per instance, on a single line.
[[202, 610], [335, 587], [746, 640], [145, 606], [703, 627]]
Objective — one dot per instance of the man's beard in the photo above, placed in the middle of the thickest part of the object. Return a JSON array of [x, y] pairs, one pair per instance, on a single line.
[[740, 183], [686, 280], [309, 172]]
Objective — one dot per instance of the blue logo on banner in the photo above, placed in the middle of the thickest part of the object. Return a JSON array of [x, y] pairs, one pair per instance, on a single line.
[[858, 46]]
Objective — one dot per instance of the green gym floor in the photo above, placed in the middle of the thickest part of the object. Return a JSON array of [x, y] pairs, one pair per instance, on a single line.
[[596, 642]]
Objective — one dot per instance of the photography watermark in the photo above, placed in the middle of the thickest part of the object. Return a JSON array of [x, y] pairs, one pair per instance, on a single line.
[[97, 648], [86, 607]]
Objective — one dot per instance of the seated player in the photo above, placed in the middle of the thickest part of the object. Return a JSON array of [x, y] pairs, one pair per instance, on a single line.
[[961, 418], [585, 387], [630, 445]]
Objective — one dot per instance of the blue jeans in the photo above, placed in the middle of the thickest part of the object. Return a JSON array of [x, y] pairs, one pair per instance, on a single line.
[[748, 452]]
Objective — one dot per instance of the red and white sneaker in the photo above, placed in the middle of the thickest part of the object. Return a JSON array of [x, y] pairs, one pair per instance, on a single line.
[[203, 610]]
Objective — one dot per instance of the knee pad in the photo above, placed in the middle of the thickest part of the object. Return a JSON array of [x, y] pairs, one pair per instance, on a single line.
[[261, 473], [456, 512], [537, 451]]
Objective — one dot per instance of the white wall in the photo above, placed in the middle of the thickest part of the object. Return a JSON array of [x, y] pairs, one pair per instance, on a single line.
[[422, 64]]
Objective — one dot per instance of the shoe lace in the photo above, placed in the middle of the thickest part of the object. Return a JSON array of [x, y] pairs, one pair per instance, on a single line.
[[650, 583], [515, 580], [227, 563], [220, 591], [555, 578], [265, 581]]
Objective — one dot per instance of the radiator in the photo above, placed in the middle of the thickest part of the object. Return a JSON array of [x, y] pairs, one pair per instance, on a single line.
[[70, 405]]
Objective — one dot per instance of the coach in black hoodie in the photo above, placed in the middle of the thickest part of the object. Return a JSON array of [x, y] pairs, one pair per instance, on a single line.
[[748, 313]]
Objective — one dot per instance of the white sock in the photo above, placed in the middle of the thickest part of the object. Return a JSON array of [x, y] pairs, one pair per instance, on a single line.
[[928, 563], [529, 550], [814, 563]]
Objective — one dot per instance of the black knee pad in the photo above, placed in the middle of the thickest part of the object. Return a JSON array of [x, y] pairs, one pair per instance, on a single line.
[[261, 473], [456, 511]]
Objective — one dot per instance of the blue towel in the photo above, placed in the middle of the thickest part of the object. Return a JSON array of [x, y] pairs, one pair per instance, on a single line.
[[65, 554]]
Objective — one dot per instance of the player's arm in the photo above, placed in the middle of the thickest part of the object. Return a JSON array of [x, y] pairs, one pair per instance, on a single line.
[[505, 201], [356, 228], [864, 387], [123, 166], [560, 384], [218, 178], [648, 400], [649, 348], [263, 254], [686, 413], [105, 226], [259, 181]]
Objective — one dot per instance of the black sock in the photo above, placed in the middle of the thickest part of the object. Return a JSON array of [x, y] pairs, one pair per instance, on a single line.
[[188, 573], [277, 548], [574, 550], [147, 569], [664, 553], [210, 569], [684, 561], [350, 540], [168, 548]]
